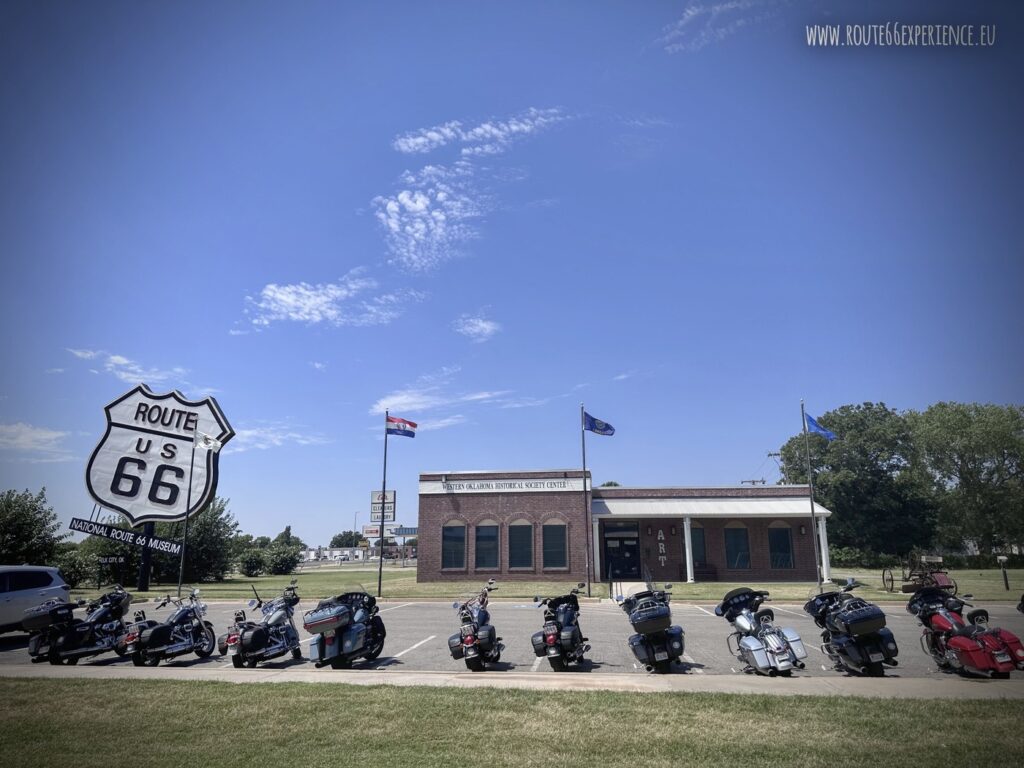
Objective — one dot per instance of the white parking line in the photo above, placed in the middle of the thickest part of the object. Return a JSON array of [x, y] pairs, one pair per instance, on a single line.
[[393, 607], [413, 647], [689, 660], [787, 610], [536, 663], [709, 613]]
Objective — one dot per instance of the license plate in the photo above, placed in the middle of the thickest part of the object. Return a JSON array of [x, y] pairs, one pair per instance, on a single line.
[[232, 650], [661, 655], [876, 656], [1002, 658]]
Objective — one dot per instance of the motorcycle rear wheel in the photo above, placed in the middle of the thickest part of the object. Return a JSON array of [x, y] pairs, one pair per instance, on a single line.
[[237, 661], [557, 664], [375, 652], [138, 660], [875, 669], [57, 661], [251, 663], [663, 667], [296, 653], [475, 664]]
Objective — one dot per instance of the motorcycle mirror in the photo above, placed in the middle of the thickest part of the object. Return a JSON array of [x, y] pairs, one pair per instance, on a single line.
[[294, 582], [81, 602], [536, 599], [195, 593], [252, 603], [455, 605], [718, 610], [968, 596], [668, 586], [581, 585], [618, 598]]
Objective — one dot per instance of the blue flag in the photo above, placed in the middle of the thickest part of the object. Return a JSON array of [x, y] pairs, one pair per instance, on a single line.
[[597, 426], [813, 426]]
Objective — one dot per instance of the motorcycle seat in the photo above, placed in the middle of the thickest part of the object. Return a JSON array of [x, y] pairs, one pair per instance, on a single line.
[[968, 630]]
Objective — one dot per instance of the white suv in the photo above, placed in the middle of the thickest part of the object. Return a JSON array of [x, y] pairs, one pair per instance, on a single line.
[[26, 586]]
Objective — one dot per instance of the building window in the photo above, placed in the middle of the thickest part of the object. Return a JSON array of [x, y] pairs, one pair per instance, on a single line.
[[700, 555], [520, 545], [780, 546], [453, 546], [737, 548], [487, 546], [555, 549]]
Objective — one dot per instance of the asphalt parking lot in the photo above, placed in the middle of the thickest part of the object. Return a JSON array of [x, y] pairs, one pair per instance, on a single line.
[[418, 632]]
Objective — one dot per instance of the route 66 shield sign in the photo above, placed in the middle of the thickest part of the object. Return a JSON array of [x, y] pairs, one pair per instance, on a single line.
[[157, 461]]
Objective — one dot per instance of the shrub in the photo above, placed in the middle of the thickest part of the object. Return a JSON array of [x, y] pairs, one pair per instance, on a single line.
[[282, 560], [252, 562]]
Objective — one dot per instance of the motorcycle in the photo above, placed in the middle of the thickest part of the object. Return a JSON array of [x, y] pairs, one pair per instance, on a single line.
[[347, 628], [561, 640], [759, 644], [657, 642], [476, 641], [58, 637], [183, 632], [854, 635], [963, 644], [249, 643]]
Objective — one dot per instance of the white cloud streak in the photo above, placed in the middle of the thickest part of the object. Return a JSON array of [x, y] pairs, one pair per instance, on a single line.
[[343, 303], [275, 435], [704, 24], [450, 421], [477, 329], [36, 445], [491, 137], [131, 372]]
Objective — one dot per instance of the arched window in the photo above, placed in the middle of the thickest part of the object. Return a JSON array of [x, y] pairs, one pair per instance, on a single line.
[[453, 544], [737, 546], [780, 544], [486, 544], [556, 544], [520, 544]]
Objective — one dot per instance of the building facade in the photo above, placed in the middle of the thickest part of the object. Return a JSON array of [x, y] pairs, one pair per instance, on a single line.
[[543, 525]]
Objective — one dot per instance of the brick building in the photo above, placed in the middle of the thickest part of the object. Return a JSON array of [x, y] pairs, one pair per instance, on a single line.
[[534, 525]]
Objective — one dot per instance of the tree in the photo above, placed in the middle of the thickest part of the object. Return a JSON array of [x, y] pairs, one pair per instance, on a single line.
[[871, 478], [974, 455], [208, 548], [287, 539], [609, 484], [240, 543], [261, 542], [75, 565], [345, 539], [282, 560], [29, 531], [252, 562]]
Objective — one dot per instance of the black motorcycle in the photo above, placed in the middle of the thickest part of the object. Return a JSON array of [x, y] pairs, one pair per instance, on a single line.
[[657, 642], [249, 642], [183, 632], [476, 641], [561, 640], [854, 635], [58, 637], [347, 628]]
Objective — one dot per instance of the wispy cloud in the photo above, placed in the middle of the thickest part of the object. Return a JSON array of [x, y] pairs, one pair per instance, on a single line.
[[703, 24], [450, 421], [429, 219], [317, 366], [36, 445], [272, 435], [476, 328], [624, 376], [55, 370], [132, 372], [342, 303], [84, 354], [490, 137], [431, 392]]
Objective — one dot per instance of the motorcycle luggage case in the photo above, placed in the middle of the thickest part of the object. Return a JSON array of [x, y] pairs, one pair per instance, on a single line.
[[675, 634], [38, 620], [641, 649], [352, 637], [861, 621], [254, 639], [754, 653], [156, 637], [538, 644], [455, 645], [795, 643], [486, 636], [571, 637], [326, 617], [646, 621]]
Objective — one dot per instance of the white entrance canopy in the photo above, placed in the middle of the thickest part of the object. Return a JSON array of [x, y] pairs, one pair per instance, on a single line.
[[707, 507]]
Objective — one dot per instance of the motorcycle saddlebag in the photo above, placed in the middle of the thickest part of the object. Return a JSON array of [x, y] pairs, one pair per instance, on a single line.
[[455, 645], [571, 637], [675, 634], [538, 644], [486, 636], [861, 621], [352, 637], [641, 649], [1013, 646], [37, 620], [254, 639], [656, 618], [326, 617], [754, 653], [795, 643], [156, 637]]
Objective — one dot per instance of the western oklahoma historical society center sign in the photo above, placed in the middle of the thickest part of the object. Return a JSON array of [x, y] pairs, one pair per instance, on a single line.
[[155, 448]]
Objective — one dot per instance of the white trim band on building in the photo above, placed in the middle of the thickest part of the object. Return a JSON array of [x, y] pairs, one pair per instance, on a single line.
[[715, 507]]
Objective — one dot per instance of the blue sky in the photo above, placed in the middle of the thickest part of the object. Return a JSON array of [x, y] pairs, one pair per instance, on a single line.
[[480, 215]]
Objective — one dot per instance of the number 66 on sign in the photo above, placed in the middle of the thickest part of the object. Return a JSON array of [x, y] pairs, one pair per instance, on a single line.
[[154, 447]]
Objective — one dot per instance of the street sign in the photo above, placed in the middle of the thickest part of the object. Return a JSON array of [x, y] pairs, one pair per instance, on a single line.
[[158, 459], [133, 538], [373, 531], [406, 531], [389, 513], [389, 497]]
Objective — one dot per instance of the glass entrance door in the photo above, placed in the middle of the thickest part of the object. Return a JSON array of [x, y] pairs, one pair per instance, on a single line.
[[621, 551]]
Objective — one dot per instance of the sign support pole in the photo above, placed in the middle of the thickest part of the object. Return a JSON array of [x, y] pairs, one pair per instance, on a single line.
[[586, 507], [383, 498], [188, 505], [144, 564]]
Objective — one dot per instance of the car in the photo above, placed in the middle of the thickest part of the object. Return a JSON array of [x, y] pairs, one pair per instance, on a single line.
[[26, 586], [344, 558]]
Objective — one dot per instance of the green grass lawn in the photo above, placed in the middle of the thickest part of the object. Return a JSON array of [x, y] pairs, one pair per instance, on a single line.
[[157, 724], [400, 583]]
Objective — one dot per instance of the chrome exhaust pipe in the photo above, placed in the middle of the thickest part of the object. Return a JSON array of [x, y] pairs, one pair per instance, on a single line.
[[649, 667]]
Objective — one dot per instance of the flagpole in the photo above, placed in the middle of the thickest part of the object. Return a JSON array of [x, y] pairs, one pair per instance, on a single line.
[[586, 508], [383, 497], [810, 485], [188, 505]]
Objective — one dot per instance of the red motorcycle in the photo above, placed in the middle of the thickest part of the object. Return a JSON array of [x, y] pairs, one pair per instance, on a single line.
[[964, 645]]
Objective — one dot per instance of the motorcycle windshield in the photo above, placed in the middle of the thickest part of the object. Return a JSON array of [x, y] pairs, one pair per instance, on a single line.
[[927, 600], [180, 615]]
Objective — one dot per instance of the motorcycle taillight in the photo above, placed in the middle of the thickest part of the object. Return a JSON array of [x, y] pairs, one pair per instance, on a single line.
[[131, 637], [232, 639], [468, 639], [551, 639]]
